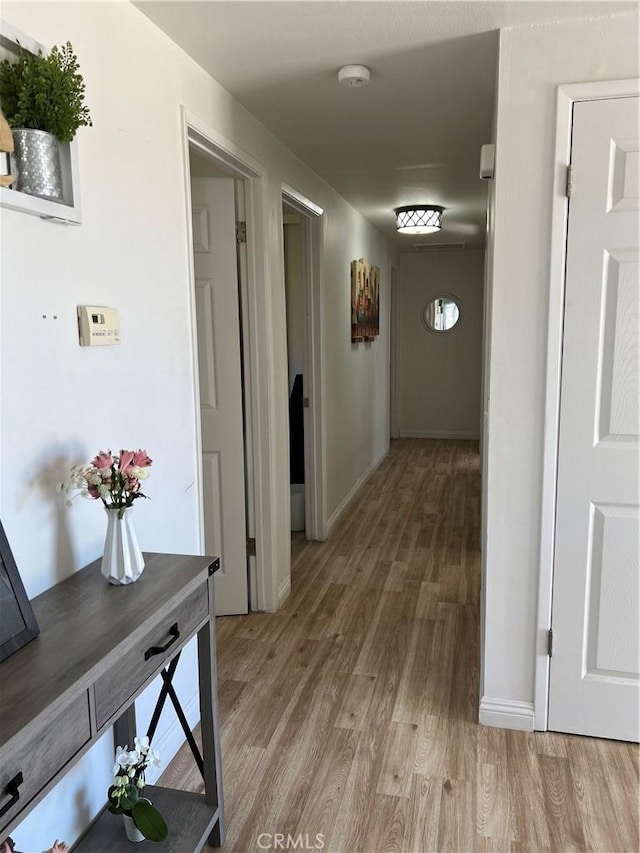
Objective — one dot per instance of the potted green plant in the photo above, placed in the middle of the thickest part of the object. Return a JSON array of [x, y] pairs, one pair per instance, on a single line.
[[126, 796], [42, 98]]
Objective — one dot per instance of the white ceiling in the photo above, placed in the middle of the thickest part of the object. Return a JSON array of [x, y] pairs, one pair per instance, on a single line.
[[414, 133]]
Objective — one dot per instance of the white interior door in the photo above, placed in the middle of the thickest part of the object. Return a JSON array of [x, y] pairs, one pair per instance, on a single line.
[[594, 681], [217, 312]]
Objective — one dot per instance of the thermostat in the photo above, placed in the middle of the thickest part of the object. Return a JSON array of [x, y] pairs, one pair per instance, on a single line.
[[98, 326]]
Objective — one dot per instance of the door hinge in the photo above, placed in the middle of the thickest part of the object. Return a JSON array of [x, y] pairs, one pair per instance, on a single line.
[[569, 189], [305, 402], [550, 643], [251, 547], [241, 232]]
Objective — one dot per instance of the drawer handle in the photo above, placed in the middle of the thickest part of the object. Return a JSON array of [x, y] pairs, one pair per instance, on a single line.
[[158, 650], [12, 789]]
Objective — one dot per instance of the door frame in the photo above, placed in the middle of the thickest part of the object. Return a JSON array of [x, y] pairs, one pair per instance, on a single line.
[[312, 234], [567, 95], [261, 472]]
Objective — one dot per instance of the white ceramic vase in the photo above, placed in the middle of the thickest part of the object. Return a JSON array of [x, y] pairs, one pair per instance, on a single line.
[[122, 560], [132, 831]]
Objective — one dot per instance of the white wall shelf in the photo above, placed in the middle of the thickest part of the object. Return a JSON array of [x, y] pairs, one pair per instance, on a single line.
[[67, 211]]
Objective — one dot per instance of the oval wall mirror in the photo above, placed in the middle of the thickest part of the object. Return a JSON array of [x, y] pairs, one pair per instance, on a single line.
[[441, 313]]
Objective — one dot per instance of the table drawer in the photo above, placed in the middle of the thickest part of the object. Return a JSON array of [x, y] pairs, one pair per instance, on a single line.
[[28, 766], [116, 687]]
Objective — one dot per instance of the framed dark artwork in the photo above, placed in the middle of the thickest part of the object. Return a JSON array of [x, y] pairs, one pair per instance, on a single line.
[[365, 301], [18, 624]]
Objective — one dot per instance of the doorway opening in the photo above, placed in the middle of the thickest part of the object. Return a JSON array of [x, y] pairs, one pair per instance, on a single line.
[[301, 240], [296, 344], [252, 527], [588, 581]]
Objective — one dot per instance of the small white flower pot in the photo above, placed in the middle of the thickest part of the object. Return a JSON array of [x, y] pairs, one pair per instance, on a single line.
[[131, 830]]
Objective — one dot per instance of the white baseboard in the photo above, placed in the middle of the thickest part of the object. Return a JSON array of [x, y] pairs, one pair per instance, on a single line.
[[342, 506], [284, 591], [471, 435], [171, 738], [506, 714]]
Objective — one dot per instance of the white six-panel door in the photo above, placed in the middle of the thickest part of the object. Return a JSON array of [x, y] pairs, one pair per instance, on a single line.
[[594, 680], [217, 313]]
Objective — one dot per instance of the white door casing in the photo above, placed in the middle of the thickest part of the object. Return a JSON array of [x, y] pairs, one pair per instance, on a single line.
[[594, 671], [249, 417], [220, 380]]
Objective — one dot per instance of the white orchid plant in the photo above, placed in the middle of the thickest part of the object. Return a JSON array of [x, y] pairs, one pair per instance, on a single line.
[[126, 795]]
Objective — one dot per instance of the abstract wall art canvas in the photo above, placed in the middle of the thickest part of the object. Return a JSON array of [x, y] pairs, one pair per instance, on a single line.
[[365, 301]]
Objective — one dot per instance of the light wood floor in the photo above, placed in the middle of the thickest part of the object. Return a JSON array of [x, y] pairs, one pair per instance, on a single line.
[[353, 711]]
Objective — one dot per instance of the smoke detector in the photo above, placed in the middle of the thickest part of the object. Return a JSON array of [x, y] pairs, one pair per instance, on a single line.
[[353, 75]]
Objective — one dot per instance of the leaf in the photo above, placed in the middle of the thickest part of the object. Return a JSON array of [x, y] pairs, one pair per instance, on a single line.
[[149, 821], [127, 803], [44, 92]]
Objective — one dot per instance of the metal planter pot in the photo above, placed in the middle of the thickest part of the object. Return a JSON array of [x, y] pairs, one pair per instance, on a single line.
[[36, 162]]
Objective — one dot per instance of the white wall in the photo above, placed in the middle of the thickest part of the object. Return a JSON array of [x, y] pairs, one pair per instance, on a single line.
[[440, 374], [356, 375], [533, 62], [61, 403]]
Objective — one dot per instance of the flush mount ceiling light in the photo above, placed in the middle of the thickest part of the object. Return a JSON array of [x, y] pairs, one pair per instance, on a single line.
[[419, 218], [353, 75]]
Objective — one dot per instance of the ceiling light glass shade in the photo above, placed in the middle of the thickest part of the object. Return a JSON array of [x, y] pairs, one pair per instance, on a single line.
[[419, 218]]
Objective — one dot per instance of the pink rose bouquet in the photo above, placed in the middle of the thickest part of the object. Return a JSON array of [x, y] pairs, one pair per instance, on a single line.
[[115, 480]]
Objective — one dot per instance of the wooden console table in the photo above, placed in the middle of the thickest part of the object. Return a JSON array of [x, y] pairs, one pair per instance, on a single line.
[[99, 647]]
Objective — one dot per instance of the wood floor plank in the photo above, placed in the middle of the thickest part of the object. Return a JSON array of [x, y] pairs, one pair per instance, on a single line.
[[243, 773], [428, 601], [462, 748], [410, 700], [266, 702], [387, 827], [565, 826], [397, 761], [494, 803], [464, 698], [492, 745], [351, 626], [352, 823], [318, 815], [229, 695], [496, 845], [369, 659], [620, 764], [423, 817], [317, 624], [442, 662], [355, 705], [431, 750], [292, 757], [352, 712], [397, 577], [551, 743], [388, 633], [455, 835], [526, 791]]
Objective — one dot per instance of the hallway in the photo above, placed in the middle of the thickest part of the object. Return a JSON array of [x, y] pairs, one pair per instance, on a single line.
[[352, 713]]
